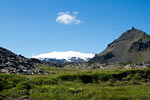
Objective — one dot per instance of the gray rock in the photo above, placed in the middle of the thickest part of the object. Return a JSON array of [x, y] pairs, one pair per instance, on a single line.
[[17, 64]]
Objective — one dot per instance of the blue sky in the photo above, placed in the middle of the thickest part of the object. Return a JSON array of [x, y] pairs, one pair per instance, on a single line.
[[29, 27]]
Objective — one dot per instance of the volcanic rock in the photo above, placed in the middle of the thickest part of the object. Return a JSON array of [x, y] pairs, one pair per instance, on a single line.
[[17, 64]]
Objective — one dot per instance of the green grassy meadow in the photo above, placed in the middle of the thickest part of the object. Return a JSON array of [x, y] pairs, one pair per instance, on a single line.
[[77, 84]]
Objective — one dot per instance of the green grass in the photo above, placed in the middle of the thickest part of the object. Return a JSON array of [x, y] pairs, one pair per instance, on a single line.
[[78, 84]]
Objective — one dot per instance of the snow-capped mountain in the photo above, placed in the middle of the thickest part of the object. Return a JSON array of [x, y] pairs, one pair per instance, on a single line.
[[65, 57]]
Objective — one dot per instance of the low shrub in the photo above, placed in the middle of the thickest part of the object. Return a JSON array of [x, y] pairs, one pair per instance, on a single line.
[[24, 85], [43, 81], [5, 85]]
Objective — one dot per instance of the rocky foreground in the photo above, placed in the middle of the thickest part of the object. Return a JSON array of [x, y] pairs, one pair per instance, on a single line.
[[109, 65], [17, 64]]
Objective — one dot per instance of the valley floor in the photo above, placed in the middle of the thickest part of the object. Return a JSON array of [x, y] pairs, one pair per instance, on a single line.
[[77, 84]]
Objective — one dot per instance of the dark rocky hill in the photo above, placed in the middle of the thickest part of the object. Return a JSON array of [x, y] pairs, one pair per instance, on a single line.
[[13, 63], [132, 46]]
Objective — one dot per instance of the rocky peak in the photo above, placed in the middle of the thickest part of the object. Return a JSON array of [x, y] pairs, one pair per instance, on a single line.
[[133, 28], [132, 34], [132, 46]]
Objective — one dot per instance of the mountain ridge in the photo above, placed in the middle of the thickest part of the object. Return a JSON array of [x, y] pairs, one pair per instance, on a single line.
[[65, 57]]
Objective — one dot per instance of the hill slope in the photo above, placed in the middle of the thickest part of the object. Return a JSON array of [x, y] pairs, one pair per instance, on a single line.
[[132, 46], [13, 63]]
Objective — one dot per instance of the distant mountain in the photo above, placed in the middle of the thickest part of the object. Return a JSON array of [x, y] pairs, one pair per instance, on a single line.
[[132, 46], [65, 57]]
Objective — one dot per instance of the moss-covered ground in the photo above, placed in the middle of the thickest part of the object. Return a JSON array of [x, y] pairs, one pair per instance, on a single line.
[[77, 84]]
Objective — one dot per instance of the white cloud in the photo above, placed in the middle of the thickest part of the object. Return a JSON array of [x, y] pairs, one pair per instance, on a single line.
[[68, 18], [75, 13]]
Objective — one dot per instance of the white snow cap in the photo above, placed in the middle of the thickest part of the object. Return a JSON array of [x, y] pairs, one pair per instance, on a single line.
[[65, 55]]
